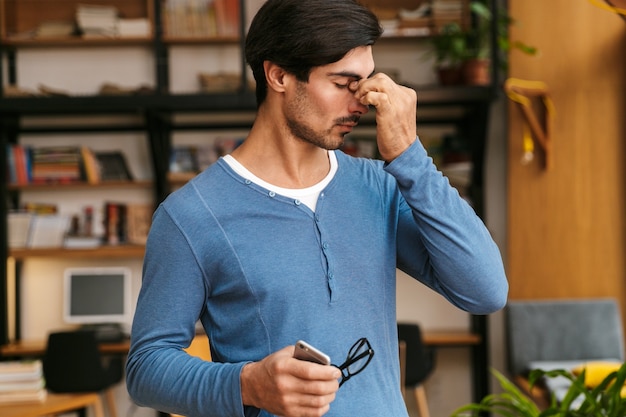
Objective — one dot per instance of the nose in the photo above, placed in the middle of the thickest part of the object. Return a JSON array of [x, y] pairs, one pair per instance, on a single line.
[[356, 107]]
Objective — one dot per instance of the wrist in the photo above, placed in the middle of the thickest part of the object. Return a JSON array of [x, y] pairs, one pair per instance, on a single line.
[[246, 379]]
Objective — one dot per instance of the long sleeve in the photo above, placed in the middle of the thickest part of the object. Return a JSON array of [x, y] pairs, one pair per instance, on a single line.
[[458, 257]]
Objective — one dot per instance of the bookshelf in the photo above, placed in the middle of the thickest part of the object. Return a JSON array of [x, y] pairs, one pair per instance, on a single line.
[[157, 115]]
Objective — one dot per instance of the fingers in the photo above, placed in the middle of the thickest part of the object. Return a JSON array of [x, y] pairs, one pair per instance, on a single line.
[[396, 112], [287, 386]]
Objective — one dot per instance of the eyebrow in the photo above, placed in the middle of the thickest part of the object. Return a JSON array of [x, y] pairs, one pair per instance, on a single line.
[[348, 74]]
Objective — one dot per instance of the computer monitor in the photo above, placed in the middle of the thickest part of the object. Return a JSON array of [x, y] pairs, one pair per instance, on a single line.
[[97, 295]]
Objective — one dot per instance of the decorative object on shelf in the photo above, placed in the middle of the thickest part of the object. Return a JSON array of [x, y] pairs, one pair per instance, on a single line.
[[18, 223], [219, 82], [581, 399], [113, 166], [48, 231], [523, 93], [462, 55]]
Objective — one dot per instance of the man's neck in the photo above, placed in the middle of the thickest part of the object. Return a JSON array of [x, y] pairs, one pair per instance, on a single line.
[[275, 156]]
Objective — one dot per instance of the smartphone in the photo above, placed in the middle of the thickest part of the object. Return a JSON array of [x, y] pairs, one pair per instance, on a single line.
[[306, 352]]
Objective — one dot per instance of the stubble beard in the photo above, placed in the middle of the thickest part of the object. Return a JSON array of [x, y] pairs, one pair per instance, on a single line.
[[295, 119]]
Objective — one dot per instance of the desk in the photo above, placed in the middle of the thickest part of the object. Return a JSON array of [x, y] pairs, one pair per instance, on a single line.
[[34, 348], [55, 403], [38, 347]]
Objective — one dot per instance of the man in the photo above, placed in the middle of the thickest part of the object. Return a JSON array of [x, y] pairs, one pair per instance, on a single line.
[[288, 238]]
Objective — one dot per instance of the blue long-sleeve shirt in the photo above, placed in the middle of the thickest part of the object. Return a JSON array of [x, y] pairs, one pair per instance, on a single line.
[[261, 271]]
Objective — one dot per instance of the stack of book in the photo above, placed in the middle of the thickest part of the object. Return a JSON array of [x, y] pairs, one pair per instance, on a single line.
[[64, 164], [55, 164], [21, 382], [139, 27], [450, 11], [55, 29], [97, 21], [201, 18]]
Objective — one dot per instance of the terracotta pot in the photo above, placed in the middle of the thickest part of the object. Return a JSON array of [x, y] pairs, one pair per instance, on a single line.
[[449, 75], [476, 72]]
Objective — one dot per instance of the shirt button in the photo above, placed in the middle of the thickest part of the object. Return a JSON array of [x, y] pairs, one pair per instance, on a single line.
[[325, 245], [297, 202], [272, 194], [248, 182]]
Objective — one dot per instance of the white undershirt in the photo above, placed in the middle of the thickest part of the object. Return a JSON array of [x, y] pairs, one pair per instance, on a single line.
[[307, 195]]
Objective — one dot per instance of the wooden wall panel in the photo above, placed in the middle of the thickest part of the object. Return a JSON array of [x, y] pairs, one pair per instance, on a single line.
[[567, 226]]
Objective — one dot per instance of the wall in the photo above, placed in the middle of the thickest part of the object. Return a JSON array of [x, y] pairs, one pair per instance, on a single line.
[[448, 388], [566, 226]]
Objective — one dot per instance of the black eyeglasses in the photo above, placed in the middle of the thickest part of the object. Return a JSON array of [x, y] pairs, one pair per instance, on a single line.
[[359, 357]]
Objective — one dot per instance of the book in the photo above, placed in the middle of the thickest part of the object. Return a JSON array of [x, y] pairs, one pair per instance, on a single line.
[[55, 29], [138, 220], [81, 242], [91, 166], [21, 382], [134, 27], [183, 159], [22, 397], [227, 17], [16, 371], [56, 164], [115, 231], [28, 385], [18, 164], [97, 20], [40, 208]]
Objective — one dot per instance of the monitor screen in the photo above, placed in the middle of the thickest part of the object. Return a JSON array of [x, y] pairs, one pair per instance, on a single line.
[[97, 295]]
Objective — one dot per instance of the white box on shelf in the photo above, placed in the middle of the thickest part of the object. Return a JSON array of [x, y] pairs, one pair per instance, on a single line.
[[19, 228], [48, 231]]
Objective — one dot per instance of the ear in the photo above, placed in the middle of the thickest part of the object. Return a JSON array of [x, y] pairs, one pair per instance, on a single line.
[[276, 76]]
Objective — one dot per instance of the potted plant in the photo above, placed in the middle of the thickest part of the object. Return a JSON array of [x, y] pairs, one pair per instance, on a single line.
[[449, 51], [470, 49], [604, 399]]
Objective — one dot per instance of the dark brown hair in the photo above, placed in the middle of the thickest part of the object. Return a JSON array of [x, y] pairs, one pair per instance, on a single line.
[[298, 35]]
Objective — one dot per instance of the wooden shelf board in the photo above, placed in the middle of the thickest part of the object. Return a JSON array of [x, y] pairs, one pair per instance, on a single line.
[[81, 186], [451, 338], [201, 40], [73, 41], [119, 251]]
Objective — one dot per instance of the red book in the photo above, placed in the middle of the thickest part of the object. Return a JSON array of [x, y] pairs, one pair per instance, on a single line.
[[20, 165]]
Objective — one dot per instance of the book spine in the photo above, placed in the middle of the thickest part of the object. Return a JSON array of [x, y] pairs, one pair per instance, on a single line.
[[11, 169], [90, 166]]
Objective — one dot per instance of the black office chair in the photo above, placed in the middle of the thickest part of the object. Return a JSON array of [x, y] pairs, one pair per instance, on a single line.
[[73, 363], [420, 362]]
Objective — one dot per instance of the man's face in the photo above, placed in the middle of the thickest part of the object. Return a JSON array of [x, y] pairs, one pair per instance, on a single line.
[[323, 110]]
